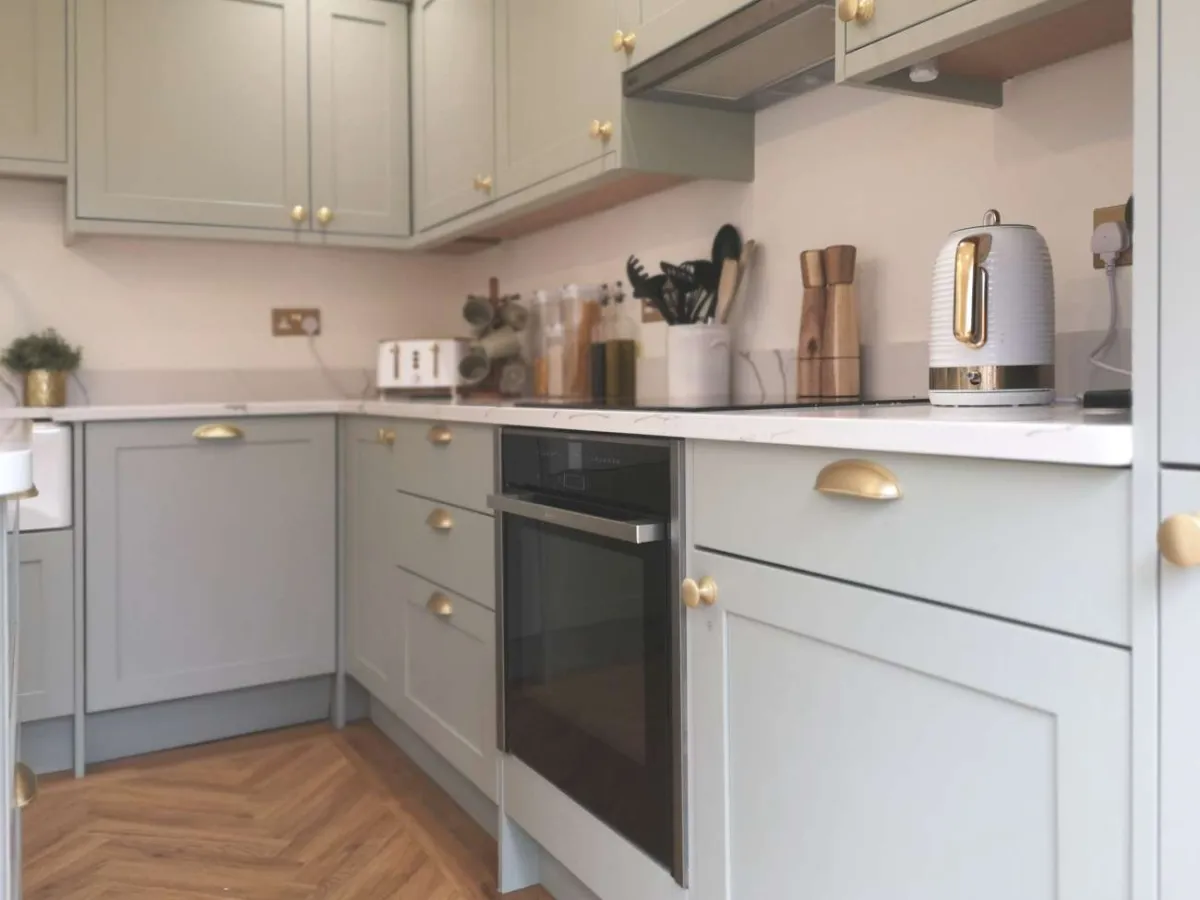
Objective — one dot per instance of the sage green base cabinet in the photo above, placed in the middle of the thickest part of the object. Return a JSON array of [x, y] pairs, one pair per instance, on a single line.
[[33, 87], [855, 744], [198, 113], [371, 581], [453, 107], [46, 673], [210, 556]]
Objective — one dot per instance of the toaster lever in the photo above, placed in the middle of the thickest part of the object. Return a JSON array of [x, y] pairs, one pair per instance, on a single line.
[[970, 293]]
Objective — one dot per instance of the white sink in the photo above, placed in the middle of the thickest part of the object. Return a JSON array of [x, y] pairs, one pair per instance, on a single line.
[[51, 508]]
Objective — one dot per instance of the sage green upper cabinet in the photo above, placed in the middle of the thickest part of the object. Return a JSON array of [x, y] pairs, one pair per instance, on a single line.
[[358, 68], [661, 23], [193, 112], [891, 17], [453, 108], [33, 87], [558, 94]]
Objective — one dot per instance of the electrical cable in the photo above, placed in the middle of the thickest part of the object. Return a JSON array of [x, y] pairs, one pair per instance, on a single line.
[[1110, 270]]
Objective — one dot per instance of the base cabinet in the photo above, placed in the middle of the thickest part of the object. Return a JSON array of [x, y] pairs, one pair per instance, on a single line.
[[854, 744], [46, 631], [211, 556]]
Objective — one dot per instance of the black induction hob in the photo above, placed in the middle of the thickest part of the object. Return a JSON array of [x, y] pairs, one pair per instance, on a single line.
[[653, 405]]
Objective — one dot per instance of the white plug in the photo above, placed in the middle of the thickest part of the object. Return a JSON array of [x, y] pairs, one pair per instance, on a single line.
[[1110, 240], [310, 326]]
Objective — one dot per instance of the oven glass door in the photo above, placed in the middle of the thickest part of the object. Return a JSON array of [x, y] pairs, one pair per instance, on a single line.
[[588, 657]]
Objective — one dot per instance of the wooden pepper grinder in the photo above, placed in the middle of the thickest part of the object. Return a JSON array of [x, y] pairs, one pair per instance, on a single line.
[[812, 327], [840, 366]]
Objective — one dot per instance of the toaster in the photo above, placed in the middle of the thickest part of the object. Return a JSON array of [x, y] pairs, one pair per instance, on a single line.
[[420, 366]]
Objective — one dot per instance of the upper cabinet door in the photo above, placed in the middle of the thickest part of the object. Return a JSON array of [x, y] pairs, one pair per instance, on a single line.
[[359, 83], [454, 80], [33, 80], [1179, 230], [193, 112], [657, 24], [556, 75]]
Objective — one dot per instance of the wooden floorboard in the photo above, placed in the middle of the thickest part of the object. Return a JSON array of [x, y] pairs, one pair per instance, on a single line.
[[300, 814]]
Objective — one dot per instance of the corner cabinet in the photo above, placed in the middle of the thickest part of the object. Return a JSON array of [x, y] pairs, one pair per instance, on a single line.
[[198, 113], [33, 87], [211, 556], [925, 752], [453, 108]]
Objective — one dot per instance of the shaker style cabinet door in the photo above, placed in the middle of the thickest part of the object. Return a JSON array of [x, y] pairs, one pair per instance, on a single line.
[[855, 744], [890, 17], [211, 560], [193, 112], [46, 633], [359, 90], [658, 24], [33, 82], [1179, 230], [454, 81], [558, 90], [374, 605]]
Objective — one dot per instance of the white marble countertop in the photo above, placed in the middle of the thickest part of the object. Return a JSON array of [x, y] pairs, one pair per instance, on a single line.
[[1059, 434]]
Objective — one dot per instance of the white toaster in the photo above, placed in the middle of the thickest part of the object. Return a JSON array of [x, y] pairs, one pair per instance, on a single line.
[[429, 365], [991, 337]]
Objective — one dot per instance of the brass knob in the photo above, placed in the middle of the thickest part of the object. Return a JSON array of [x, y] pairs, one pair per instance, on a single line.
[[860, 11], [25, 786], [483, 183], [693, 593], [601, 130], [299, 213], [385, 436], [1179, 539], [440, 520], [440, 605], [324, 215], [622, 41], [440, 435]]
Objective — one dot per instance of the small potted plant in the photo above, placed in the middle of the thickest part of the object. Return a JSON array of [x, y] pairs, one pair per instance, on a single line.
[[44, 360]]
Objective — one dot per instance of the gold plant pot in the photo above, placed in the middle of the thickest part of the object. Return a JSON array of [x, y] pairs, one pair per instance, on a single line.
[[44, 387]]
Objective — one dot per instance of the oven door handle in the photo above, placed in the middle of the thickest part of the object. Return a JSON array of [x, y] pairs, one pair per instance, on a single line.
[[645, 531]]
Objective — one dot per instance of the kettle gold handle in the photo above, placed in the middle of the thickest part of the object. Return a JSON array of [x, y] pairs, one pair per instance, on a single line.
[[970, 294]]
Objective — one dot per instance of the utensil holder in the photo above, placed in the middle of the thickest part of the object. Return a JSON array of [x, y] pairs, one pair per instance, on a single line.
[[698, 364]]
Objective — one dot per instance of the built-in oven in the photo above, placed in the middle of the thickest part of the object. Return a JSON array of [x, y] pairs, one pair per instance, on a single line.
[[591, 633]]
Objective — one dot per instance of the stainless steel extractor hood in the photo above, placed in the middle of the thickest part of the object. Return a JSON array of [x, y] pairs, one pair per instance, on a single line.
[[767, 51]]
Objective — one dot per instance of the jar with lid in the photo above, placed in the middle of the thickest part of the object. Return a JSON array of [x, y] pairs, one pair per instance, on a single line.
[[581, 315], [549, 304]]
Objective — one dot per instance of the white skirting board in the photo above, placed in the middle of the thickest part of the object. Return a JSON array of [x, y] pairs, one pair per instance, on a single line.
[[555, 877]]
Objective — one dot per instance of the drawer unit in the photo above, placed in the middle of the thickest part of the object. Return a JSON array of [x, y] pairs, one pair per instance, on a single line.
[[450, 462], [453, 547], [450, 677], [1036, 543]]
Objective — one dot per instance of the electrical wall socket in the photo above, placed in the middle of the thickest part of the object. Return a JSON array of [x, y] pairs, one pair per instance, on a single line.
[[1110, 214], [290, 322]]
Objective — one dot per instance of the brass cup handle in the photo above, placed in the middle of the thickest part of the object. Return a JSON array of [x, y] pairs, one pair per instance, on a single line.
[[860, 11], [299, 213], [440, 605], [601, 131], [1179, 539], [694, 593], [859, 478], [440, 520], [622, 41], [220, 431], [324, 215], [483, 183], [385, 436], [440, 435], [25, 786]]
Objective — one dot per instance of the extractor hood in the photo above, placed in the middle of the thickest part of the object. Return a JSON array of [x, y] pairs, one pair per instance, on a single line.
[[767, 51]]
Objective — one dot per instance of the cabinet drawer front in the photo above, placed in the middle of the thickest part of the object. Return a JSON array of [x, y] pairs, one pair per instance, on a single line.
[[962, 755], [451, 547], [211, 562], [1035, 543], [448, 462], [450, 677], [46, 679], [892, 16]]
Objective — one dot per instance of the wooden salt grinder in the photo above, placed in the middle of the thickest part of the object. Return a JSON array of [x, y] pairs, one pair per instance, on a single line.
[[812, 326]]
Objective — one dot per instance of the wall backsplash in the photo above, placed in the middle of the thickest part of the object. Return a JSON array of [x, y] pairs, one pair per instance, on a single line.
[[893, 175]]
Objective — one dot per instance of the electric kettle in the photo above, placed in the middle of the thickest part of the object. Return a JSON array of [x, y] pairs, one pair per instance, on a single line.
[[991, 335]]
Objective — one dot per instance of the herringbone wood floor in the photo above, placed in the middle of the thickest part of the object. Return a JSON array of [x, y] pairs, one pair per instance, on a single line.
[[298, 814]]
